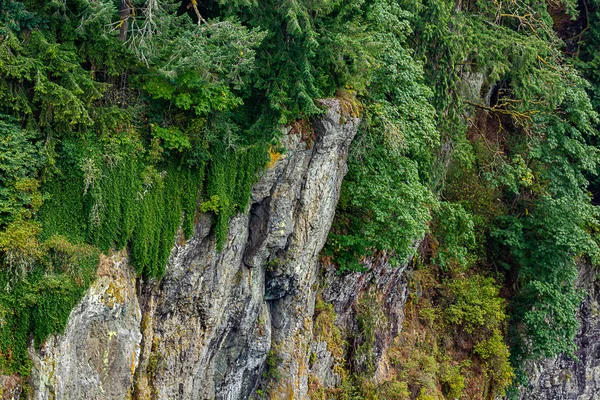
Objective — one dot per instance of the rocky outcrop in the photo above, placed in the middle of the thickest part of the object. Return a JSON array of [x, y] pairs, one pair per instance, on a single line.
[[96, 356], [308, 212], [566, 378], [205, 330], [379, 294]]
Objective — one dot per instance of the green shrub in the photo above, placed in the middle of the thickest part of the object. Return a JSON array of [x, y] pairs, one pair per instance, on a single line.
[[271, 370], [473, 303], [454, 230], [384, 206], [21, 155], [496, 355], [453, 382]]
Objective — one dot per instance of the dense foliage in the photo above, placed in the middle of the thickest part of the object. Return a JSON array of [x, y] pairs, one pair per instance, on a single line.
[[120, 120], [513, 170], [109, 136]]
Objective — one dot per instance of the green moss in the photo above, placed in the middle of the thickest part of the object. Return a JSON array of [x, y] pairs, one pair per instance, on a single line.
[[325, 329], [229, 183], [96, 204], [41, 303]]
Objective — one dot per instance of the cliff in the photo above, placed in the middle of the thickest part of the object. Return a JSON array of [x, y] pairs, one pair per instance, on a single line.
[[161, 237], [205, 330], [578, 377], [264, 316]]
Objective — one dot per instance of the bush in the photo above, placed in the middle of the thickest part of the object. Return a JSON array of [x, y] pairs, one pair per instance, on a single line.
[[496, 356], [384, 206], [21, 156], [453, 228], [473, 303]]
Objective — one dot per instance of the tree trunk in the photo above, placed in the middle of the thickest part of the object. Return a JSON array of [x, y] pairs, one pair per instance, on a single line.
[[125, 9]]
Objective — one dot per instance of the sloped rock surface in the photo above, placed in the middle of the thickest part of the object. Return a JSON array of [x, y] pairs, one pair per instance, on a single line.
[[98, 353], [204, 331], [566, 378]]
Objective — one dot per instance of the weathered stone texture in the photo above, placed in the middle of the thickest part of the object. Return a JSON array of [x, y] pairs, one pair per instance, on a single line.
[[98, 353], [204, 331], [387, 287], [566, 378]]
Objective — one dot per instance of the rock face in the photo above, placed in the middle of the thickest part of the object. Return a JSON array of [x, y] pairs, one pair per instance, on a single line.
[[97, 355], [382, 291], [224, 322], [205, 330], [565, 378], [310, 210]]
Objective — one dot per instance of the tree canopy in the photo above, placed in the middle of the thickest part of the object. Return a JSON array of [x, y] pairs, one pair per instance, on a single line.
[[479, 134]]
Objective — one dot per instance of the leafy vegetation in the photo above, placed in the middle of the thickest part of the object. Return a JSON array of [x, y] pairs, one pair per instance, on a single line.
[[516, 161], [109, 136], [479, 125]]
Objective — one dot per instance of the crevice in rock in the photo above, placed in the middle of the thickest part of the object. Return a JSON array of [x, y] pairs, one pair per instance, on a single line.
[[257, 230]]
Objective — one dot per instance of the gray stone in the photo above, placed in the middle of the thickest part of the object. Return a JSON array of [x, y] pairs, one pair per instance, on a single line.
[[204, 331], [388, 287], [309, 194], [96, 356], [566, 378]]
